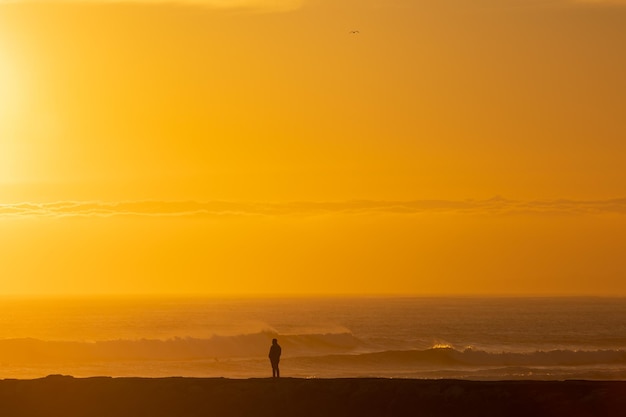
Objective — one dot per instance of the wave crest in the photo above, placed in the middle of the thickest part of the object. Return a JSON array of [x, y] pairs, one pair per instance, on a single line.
[[329, 350], [179, 348], [449, 357]]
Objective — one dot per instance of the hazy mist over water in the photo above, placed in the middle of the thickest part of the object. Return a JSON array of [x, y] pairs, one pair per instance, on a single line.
[[473, 338]]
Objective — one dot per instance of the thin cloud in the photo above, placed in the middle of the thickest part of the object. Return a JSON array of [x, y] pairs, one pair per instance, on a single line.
[[602, 2], [255, 5], [494, 206]]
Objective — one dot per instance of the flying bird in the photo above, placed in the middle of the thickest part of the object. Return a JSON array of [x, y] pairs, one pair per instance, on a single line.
[[354, 32]]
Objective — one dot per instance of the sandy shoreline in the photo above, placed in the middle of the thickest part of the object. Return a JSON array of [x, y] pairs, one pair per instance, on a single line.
[[103, 396]]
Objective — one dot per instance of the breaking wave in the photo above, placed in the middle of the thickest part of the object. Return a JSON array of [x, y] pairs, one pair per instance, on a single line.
[[451, 358], [179, 348], [325, 350]]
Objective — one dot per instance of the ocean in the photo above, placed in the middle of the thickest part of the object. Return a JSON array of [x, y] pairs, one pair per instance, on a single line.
[[402, 337]]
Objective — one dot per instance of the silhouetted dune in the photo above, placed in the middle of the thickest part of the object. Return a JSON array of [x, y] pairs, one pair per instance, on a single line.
[[102, 396]]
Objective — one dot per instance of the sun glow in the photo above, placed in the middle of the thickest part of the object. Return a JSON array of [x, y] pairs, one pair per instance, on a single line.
[[11, 104], [4, 108], [8, 82]]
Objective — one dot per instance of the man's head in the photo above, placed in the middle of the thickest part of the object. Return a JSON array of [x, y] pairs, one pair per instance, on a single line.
[[274, 341]]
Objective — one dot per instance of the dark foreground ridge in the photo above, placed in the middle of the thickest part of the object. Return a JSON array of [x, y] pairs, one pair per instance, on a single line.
[[65, 396]]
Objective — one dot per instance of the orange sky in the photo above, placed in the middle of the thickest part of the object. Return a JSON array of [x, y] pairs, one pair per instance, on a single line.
[[257, 104]]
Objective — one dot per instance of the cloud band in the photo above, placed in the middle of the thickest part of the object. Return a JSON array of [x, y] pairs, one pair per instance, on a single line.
[[494, 206], [261, 5]]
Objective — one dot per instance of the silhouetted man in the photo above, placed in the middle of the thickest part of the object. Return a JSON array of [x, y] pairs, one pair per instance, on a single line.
[[274, 356]]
